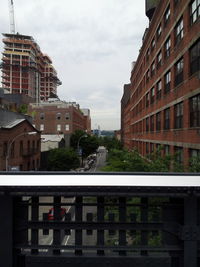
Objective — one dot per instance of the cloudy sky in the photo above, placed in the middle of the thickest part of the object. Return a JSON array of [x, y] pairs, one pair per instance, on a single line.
[[92, 44]]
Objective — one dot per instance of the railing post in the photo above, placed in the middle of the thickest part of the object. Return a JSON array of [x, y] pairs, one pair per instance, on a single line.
[[78, 218], [190, 231], [6, 231], [57, 217], [122, 219], [100, 218], [34, 217], [144, 218]]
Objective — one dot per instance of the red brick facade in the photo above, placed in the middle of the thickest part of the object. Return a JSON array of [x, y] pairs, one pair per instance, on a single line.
[[164, 104], [24, 152], [58, 117]]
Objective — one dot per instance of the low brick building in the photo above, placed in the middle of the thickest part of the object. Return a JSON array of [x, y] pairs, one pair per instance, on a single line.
[[59, 117], [19, 143]]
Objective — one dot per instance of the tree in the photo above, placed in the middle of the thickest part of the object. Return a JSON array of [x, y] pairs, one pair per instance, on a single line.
[[62, 159], [111, 143], [89, 144]]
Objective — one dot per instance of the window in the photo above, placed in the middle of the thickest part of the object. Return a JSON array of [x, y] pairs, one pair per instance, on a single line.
[[147, 124], [178, 154], [195, 57], [167, 16], [194, 11], [5, 147], [152, 123], [41, 127], [195, 111], [178, 116], [21, 148], [153, 43], [147, 148], [166, 150], [148, 75], [58, 127], [167, 119], [153, 66], [151, 147], [194, 153], [58, 116], [12, 152], [159, 59], [176, 2], [167, 47], [152, 95], [159, 31], [67, 116], [148, 54], [179, 31], [167, 79], [67, 127], [42, 116], [158, 121], [178, 72], [158, 89], [147, 99]]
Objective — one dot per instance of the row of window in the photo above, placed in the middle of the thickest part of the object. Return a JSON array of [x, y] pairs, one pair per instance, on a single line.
[[58, 127], [58, 116], [194, 11], [154, 122], [167, 150], [32, 147], [194, 8], [156, 91]]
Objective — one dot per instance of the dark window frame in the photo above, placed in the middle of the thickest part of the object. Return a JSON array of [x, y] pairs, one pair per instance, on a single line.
[[178, 116], [194, 111], [166, 119]]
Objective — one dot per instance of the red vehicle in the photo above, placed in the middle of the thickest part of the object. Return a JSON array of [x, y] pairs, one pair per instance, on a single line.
[[51, 213]]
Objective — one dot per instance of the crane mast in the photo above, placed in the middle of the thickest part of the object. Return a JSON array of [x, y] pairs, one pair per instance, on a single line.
[[12, 18]]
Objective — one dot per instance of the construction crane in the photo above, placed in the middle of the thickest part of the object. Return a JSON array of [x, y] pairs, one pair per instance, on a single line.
[[12, 17]]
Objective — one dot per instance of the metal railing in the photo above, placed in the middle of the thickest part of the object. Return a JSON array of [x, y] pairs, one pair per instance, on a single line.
[[100, 225]]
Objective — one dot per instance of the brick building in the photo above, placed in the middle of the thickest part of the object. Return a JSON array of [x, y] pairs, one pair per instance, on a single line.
[[164, 104], [59, 117], [26, 70], [19, 143]]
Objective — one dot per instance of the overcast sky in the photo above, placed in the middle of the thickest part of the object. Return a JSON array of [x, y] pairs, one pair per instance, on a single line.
[[91, 43]]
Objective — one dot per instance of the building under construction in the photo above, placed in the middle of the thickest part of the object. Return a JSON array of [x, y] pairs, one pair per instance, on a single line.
[[26, 70]]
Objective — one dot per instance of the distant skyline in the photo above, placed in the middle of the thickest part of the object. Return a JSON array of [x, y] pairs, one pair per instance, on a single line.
[[91, 43]]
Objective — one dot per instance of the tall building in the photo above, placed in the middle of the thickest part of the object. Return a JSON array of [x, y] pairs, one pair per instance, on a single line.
[[164, 103], [26, 70]]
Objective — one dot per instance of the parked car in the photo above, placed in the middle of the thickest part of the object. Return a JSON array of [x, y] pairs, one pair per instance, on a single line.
[[51, 213]]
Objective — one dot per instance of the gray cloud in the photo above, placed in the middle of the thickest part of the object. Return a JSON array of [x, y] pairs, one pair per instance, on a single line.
[[92, 44]]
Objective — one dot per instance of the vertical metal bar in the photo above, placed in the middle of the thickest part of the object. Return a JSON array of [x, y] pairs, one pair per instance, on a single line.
[[100, 218], [190, 221], [122, 219], [78, 218], [34, 217], [173, 212], [144, 218], [6, 231], [57, 217]]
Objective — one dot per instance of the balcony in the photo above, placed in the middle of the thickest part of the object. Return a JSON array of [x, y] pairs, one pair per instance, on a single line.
[[110, 220]]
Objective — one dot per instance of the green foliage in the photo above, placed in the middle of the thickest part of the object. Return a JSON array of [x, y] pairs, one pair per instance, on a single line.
[[131, 161], [62, 159], [194, 164], [23, 109], [89, 144], [110, 142]]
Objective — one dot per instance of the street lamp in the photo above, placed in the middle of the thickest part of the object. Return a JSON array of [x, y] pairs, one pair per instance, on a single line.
[[9, 146], [82, 136]]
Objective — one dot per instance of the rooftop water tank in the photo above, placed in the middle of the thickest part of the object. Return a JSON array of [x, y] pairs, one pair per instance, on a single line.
[[150, 7]]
